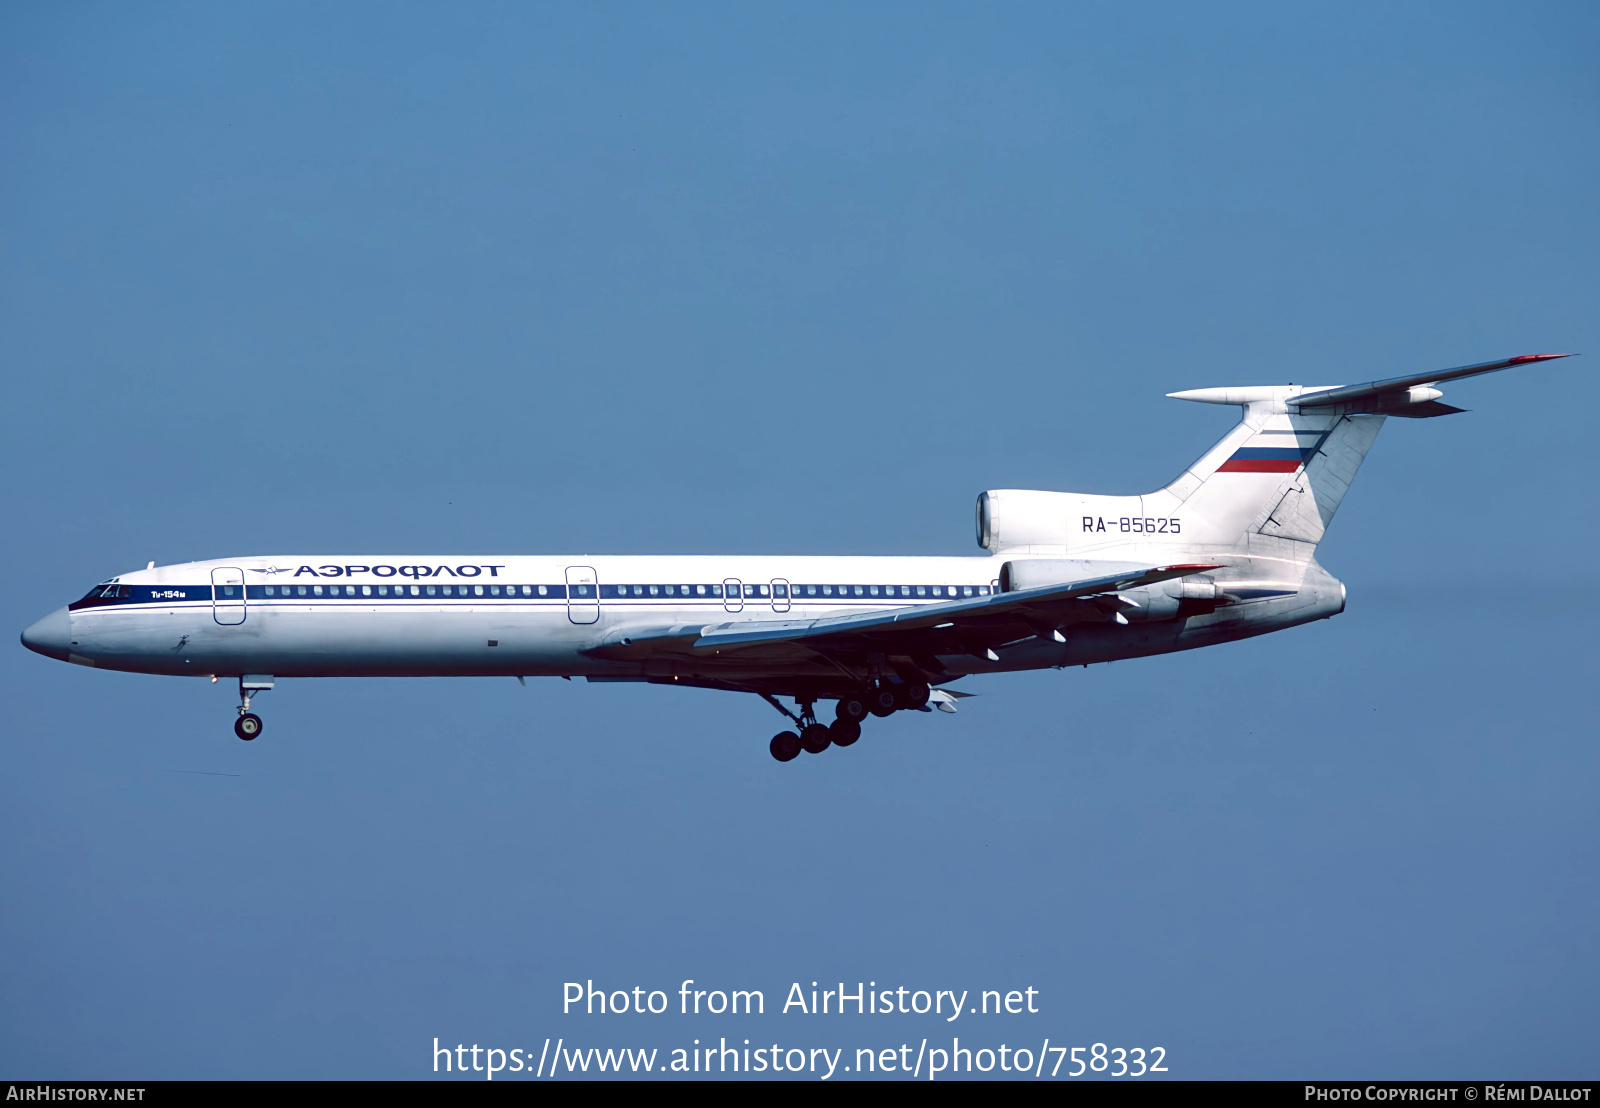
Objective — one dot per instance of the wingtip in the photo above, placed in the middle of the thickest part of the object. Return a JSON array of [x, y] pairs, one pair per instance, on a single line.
[[1523, 359]]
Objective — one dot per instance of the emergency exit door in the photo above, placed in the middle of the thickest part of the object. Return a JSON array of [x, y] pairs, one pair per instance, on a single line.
[[583, 595]]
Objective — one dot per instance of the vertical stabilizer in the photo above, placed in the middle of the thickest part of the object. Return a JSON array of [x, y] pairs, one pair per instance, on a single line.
[[1277, 473], [1275, 480]]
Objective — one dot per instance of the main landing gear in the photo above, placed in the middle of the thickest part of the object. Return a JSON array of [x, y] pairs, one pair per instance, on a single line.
[[882, 699], [249, 725]]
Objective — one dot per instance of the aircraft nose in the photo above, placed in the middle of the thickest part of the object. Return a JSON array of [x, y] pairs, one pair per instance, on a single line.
[[51, 636]]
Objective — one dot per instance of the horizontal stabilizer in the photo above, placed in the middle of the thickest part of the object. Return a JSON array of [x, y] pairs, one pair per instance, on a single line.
[[1395, 389]]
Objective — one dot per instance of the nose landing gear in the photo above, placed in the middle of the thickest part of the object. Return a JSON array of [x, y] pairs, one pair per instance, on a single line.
[[249, 725]]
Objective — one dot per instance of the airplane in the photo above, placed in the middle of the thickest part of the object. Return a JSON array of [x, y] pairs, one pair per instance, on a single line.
[[1226, 551]]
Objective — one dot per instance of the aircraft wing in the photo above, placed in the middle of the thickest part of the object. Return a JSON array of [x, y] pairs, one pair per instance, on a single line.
[[974, 626], [1393, 387]]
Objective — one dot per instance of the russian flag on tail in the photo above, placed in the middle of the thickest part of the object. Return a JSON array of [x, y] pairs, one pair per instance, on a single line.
[[1267, 459]]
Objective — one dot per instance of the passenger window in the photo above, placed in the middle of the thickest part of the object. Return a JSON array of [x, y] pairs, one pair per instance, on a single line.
[[761, 590], [478, 590], [431, 590], [366, 590], [700, 590], [544, 590], [966, 590], [316, 590], [303, 590], [269, 590], [780, 591], [858, 590]]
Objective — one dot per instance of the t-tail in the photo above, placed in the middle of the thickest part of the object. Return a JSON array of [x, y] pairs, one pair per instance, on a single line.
[[1271, 485]]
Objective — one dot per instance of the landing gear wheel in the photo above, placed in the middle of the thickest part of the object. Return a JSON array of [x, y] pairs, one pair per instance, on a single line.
[[815, 738], [882, 701], [911, 696], [247, 726], [844, 732], [785, 746], [853, 708]]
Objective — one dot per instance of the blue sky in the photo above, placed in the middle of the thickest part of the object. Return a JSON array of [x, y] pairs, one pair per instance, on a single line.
[[702, 278]]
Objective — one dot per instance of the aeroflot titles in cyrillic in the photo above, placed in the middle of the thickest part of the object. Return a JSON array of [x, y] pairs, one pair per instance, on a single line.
[[403, 571]]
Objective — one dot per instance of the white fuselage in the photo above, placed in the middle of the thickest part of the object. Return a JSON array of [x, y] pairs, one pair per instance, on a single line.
[[1224, 551], [457, 615]]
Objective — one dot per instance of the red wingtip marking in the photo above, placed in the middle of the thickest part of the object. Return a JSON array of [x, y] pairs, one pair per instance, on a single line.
[[1521, 358]]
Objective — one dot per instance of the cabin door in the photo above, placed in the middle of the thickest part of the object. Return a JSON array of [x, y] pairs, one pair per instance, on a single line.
[[227, 596]]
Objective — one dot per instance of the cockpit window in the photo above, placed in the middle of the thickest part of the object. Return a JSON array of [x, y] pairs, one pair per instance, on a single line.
[[103, 593]]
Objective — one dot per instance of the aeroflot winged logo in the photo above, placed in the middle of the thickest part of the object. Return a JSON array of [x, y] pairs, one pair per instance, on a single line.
[[390, 571]]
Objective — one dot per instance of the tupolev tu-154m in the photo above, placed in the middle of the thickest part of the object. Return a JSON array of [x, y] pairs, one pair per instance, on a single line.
[[1226, 551]]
